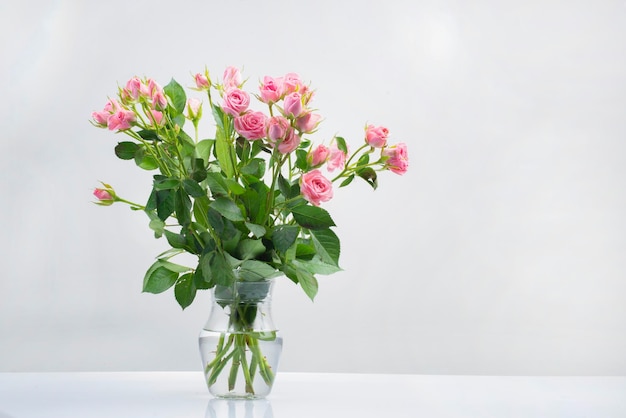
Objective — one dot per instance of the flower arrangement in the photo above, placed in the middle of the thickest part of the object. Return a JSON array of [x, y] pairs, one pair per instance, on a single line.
[[246, 201]]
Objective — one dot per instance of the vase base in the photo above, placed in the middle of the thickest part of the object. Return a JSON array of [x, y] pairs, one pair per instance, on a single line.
[[238, 397]]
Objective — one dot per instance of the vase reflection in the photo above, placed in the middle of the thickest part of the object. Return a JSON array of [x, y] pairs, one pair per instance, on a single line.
[[257, 408]]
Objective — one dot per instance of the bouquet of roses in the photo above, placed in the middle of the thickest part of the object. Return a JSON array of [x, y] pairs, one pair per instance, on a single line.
[[245, 201]]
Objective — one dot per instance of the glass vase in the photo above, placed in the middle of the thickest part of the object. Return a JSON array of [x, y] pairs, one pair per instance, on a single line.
[[240, 346]]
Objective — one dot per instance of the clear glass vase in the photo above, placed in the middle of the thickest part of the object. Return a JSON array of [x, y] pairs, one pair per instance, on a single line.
[[239, 345]]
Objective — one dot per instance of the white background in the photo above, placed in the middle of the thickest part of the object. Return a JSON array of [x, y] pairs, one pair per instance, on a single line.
[[502, 251]]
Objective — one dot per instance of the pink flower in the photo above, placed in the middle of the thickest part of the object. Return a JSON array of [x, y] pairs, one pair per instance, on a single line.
[[106, 196], [202, 82], [156, 117], [236, 102], [290, 143], [159, 101], [315, 187], [376, 136], [251, 125], [232, 78], [277, 128], [121, 120], [102, 118], [336, 159], [292, 106], [102, 194], [270, 89], [133, 88], [307, 94], [194, 108], [290, 83], [397, 158], [307, 122], [318, 156]]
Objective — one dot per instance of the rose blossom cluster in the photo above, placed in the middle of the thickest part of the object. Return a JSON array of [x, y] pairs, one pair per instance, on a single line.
[[282, 131], [122, 116], [288, 94], [290, 117]]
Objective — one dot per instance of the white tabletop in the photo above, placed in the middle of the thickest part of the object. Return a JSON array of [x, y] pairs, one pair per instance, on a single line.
[[302, 395]]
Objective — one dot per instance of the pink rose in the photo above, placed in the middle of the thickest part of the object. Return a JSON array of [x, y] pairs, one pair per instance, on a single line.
[[232, 78], [290, 83], [315, 187], [290, 143], [397, 158], [270, 90], [318, 156], [236, 102], [194, 108], [156, 117], [121, 120], [202, 82], [133, 88], [106, 196], [159, 101], [307, 122], [336, 159], [101, 118], [292, 106], [277, 128], [152, 88], [102, 194], [251, 125], [376, 136]]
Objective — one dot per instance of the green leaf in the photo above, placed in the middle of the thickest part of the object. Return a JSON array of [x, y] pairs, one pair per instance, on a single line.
[[254, 270], [365, 158], [185, 290], [165, 202], [177, 95], [369, 175], [198, 280], [126, 150], [192, 188], [257, 230], [200, 211], [327, 245], [158, 279], [156, 224], [347, 181], [149, 135], [165, 183], [216, 220], [316, 266], [250, 248], [308, 282], [145, 160], [227, 208], [204, 266], [224, 152], [217, 184], [284, 237], [301, 159], [175, 240], [182, 205], [221, 270], [234, 187], [255, 168], [312, 217], [198, 170], [203, 148], [341, 144]]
